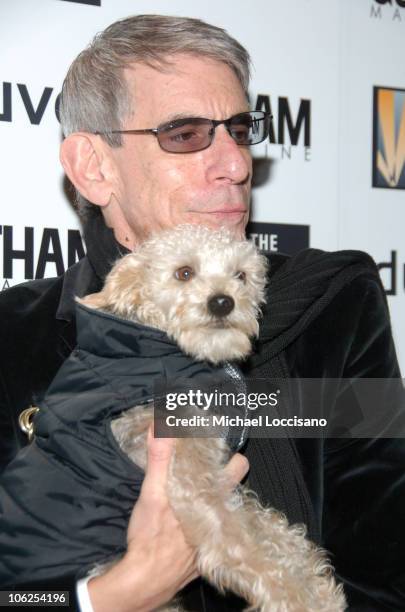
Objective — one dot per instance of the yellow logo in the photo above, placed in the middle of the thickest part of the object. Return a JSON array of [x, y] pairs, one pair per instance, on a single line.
[[389, 138]]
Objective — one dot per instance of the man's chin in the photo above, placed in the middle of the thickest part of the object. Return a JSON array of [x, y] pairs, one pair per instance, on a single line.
[[234, 222]]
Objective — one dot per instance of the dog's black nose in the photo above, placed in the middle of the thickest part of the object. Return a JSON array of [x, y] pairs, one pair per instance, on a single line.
[[221, 305]]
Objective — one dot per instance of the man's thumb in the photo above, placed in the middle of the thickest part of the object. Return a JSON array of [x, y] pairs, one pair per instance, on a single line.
[[160, 451]]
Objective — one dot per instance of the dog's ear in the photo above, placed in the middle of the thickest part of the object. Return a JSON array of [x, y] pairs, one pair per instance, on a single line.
[[94, 300], [121, 291]]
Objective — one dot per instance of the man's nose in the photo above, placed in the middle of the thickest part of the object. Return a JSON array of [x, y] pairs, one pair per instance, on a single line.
[[228, 161]]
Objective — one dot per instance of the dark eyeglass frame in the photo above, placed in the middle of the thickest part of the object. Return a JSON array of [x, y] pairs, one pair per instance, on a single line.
[[238, 119]]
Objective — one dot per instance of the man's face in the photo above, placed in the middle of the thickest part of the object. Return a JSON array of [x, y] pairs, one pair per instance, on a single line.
[[156, 189]]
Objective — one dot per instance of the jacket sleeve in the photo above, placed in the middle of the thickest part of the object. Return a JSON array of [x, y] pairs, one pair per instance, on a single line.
[[34, 345], [364, 479], [8, 430], [25, 366]]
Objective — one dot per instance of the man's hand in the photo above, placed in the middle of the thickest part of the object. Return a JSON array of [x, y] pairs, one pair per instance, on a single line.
[[158, 562]]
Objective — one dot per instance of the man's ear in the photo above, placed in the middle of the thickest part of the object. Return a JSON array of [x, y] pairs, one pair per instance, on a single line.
[[86, 160]]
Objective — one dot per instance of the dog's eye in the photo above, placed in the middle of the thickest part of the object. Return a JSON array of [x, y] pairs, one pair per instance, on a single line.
[[241, 276], [184, 274]]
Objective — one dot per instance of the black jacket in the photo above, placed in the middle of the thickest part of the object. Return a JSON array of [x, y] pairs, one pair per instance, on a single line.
[[350, 494], [89, 481]]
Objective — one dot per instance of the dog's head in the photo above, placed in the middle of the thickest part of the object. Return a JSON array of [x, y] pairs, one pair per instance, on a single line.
[[203, 287]]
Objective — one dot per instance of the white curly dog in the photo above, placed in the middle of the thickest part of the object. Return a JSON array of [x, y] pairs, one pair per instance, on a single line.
[[204, 289]]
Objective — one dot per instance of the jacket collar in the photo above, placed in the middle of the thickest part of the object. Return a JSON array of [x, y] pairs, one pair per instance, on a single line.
[[79, 280], [87, 276]]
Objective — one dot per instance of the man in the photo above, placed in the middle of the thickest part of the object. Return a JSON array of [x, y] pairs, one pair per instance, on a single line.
[[123, 110]]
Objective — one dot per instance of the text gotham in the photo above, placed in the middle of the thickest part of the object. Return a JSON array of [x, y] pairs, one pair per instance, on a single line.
[[49, 252]]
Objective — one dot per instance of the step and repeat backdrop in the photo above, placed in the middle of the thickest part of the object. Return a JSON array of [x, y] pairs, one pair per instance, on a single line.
[[331, 175]]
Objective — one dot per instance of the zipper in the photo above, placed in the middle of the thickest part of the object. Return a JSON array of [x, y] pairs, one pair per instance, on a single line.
[[236, 436]]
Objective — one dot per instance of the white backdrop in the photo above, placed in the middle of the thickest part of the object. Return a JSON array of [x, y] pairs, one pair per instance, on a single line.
[[322, 58]]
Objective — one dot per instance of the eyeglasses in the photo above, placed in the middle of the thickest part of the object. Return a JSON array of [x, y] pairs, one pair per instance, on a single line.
[[196, 133]]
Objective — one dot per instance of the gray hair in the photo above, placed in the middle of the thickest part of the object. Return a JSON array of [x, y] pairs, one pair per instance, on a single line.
[[94, 93]]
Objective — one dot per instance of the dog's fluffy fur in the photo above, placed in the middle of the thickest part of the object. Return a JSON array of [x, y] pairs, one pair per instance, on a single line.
[[242, 547]]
